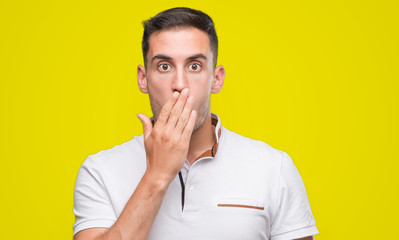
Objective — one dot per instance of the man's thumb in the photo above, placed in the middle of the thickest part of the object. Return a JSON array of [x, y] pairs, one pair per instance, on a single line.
[[147, 124]]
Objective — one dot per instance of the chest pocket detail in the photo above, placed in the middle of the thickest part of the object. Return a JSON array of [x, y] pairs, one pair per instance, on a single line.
[[240, 203]]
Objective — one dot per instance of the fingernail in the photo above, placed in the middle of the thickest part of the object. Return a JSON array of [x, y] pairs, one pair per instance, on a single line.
[[185, 91], [175, 94], [190, 99]]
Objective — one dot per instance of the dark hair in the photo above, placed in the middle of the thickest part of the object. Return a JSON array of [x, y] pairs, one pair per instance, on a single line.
[[180, 17]]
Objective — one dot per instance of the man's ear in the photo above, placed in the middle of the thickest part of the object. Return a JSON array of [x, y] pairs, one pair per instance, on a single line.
[[142, 79], [218, 79]]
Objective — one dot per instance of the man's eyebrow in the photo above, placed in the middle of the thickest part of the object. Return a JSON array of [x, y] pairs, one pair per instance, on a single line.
[[164, 57], [196, 56], [160, 56]]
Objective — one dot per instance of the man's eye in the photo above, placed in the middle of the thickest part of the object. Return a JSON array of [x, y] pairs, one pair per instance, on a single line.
[[164, 67], [195, 67]]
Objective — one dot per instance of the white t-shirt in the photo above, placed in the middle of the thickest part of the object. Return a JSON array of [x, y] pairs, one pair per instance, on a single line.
[[248, 190]]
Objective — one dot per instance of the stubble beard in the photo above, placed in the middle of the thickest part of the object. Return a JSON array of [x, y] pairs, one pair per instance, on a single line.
[[202, 113]]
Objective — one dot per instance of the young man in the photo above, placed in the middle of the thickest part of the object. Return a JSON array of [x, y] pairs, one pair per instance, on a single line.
[[187, 177]]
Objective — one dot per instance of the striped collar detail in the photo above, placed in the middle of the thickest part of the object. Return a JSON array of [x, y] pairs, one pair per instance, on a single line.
[[212, 152]]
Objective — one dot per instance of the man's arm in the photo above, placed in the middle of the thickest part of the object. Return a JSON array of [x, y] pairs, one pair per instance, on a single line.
[[166, 145], [136, 218], [305, 238]]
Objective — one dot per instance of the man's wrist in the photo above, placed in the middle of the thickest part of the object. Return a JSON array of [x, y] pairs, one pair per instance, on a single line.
[[156, 182]]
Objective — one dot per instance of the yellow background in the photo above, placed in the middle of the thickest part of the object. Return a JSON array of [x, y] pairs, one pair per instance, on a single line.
[[317, 79]]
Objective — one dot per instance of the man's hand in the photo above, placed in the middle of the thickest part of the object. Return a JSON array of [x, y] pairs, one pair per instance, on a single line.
[[167, 142]]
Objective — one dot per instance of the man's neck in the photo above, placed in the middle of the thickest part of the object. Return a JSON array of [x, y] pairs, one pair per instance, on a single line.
[[201, 140]]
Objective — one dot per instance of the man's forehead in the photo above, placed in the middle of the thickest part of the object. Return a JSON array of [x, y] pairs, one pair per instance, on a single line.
[[179, 31], [183, 42]]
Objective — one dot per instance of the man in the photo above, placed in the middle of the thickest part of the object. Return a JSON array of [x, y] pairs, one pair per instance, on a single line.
[[187, 177]]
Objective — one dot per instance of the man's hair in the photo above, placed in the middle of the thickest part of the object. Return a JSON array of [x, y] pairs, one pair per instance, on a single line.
[[176, 18]]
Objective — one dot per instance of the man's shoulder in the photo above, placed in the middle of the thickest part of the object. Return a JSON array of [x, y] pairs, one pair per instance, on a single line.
[[237, 143], [122, 154]]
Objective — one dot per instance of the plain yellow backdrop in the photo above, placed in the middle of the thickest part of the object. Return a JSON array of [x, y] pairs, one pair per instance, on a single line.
[[317, 79]]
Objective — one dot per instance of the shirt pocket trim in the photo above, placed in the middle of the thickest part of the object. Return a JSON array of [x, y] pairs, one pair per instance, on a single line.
[[241, 203]]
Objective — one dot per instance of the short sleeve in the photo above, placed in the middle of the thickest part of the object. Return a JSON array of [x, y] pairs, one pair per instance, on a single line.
[[294, 218], [92, 206]]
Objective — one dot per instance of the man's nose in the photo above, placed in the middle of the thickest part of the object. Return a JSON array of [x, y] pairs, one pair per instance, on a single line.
[[180, 81]]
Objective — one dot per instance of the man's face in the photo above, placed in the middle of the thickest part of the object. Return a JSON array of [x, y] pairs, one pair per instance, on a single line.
[[179, 59]]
